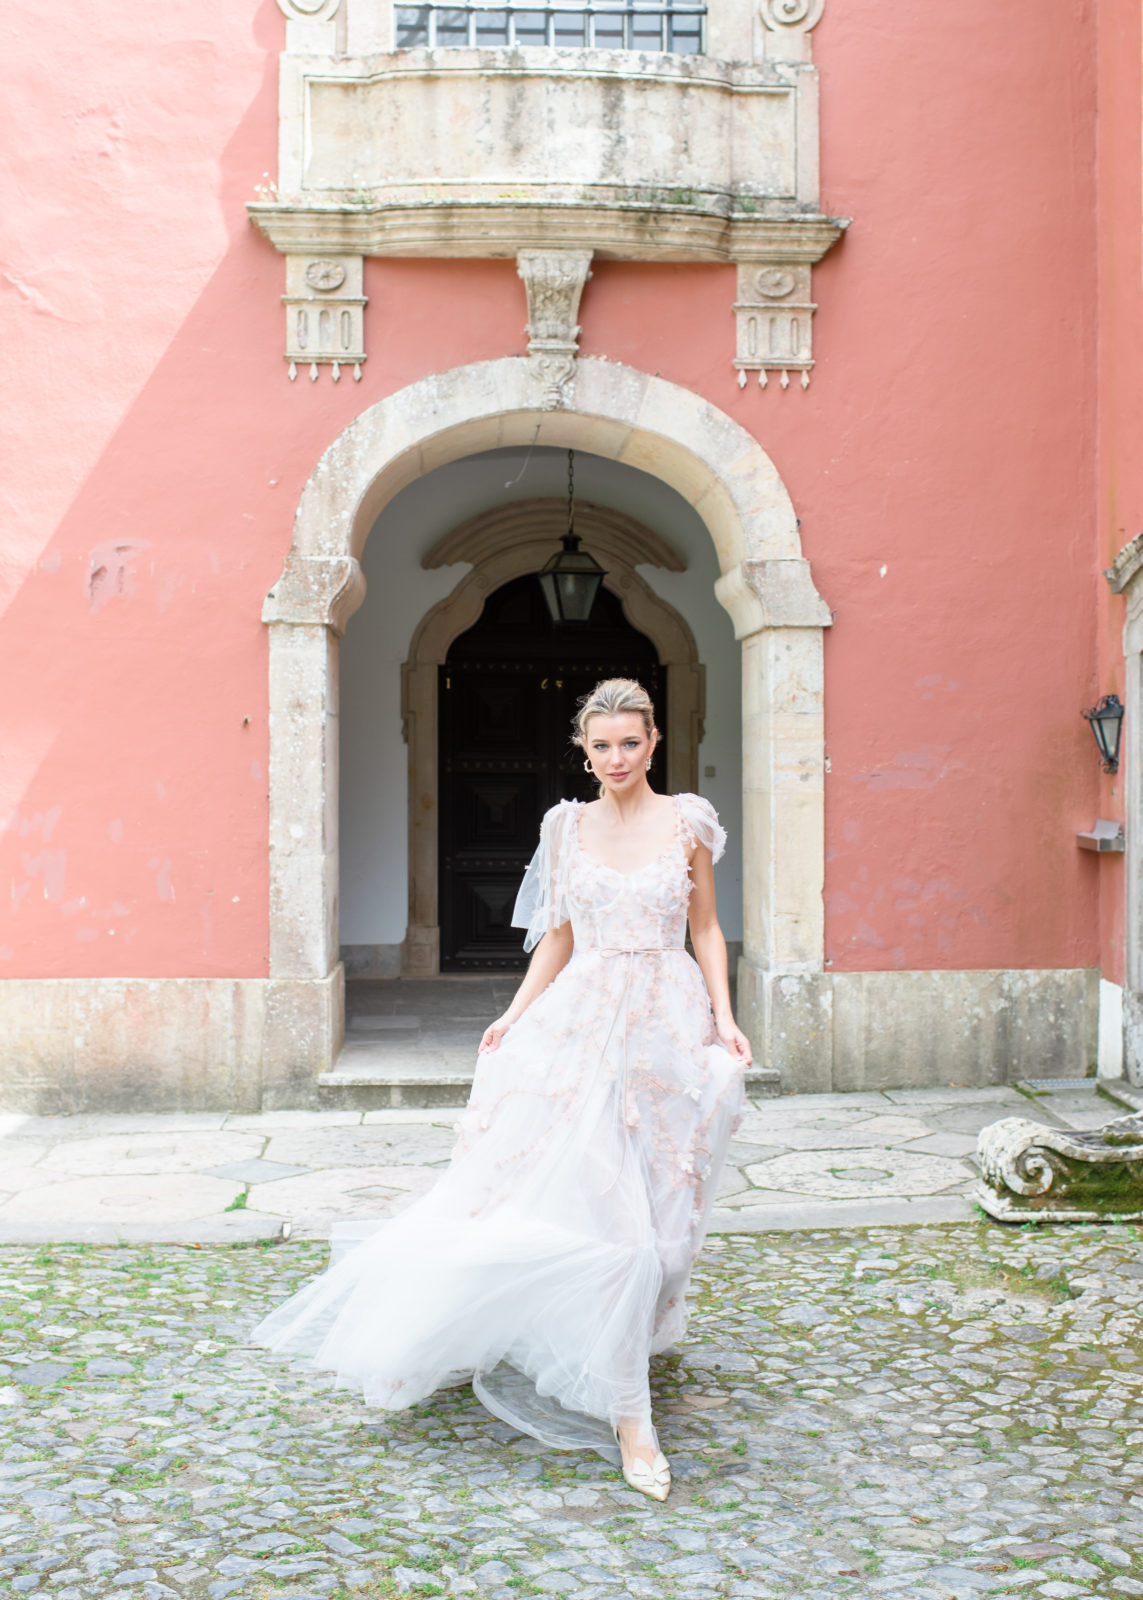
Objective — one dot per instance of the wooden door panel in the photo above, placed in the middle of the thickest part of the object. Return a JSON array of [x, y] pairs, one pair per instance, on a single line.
[[507, 696], [494, 810]]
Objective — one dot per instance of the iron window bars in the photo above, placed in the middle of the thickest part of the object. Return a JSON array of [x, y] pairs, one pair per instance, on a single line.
[[675, 26]]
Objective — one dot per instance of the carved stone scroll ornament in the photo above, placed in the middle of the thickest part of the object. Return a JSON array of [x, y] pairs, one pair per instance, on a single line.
[[553, 283], [1031, 1173], [788, 25], [803, 14]]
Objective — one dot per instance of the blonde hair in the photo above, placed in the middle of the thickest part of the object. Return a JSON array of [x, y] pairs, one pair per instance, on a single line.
[[612, 698]]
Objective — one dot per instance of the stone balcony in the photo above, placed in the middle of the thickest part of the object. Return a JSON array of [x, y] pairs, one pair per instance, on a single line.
[[628, 154]]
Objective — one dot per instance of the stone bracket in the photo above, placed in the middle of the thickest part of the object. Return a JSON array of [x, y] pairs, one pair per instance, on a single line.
[[553, 283], [773, 322], [325, 313], [1032, 1173]]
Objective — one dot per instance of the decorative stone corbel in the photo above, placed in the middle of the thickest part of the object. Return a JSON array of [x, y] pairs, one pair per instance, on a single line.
[[1030, 1173], [325, 313], [553, 283], [788, 25], [773, 322]]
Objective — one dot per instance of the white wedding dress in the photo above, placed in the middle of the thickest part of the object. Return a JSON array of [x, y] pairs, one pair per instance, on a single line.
[[551, 1259]]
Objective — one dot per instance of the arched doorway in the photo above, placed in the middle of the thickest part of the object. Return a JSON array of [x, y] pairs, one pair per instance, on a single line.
[[784, 994], [506, 694]]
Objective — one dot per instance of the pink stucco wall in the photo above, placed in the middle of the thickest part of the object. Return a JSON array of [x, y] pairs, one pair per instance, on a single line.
[[943, 463]]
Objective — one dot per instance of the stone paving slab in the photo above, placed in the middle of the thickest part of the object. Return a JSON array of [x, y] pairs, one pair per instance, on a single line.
[[922, 1413], [806, 1213], [900, 1156]]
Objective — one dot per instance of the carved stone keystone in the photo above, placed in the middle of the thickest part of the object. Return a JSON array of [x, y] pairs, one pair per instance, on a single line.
[[553, 282], [1030, 1173]]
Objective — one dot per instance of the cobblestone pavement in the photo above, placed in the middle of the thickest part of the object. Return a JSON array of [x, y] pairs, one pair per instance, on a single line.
[[919, 1413], [215, 1178]]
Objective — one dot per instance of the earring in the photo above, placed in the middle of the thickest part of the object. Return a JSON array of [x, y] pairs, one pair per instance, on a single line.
[[587, 766], [648, 766]]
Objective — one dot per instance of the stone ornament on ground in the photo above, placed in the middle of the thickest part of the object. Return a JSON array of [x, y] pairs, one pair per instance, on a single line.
[[1034, 1173]]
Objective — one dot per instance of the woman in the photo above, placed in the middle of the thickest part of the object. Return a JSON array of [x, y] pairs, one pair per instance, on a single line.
[[551, 1259]]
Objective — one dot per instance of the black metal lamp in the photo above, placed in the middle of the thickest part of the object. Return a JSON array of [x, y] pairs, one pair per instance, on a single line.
[[1106, 721], [570, 580]]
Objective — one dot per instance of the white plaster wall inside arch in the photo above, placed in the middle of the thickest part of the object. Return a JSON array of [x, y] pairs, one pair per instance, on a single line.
[[718, 469]]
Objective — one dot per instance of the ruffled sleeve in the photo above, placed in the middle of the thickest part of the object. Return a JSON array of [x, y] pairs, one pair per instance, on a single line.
[[700, 823], [542, 903]]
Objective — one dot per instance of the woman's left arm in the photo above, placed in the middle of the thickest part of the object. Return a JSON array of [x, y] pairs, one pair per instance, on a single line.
[[710, 953]]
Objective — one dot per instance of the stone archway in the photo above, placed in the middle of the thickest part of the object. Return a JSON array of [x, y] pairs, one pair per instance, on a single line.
[[765, 585], [500, 545]]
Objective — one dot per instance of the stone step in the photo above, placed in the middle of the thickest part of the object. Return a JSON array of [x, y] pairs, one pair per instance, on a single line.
[[376, 1082], [1121, 1093]]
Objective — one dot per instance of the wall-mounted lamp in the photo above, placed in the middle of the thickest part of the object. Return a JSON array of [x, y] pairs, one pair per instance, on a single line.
[[571, 579], [1106, 721]]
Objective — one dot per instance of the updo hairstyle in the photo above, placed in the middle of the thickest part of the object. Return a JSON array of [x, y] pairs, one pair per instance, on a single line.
[[611, 698]]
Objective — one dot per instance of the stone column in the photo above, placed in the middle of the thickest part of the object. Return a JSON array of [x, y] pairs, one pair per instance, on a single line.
[[303, 801], [784, 999], [306, 611]]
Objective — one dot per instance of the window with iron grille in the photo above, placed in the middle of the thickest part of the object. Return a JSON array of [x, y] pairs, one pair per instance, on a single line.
[[676, 27]]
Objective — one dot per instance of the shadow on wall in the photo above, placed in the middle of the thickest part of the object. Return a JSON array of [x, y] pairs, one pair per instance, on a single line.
[[135, 789]]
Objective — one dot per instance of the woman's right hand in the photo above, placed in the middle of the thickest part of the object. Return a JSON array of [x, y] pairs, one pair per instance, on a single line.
[[493, 1034]]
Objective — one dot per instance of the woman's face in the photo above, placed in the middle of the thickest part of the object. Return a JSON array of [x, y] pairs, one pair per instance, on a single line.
[[619, 749]]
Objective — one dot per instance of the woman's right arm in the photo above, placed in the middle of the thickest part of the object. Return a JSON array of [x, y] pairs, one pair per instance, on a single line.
[[550, 957]]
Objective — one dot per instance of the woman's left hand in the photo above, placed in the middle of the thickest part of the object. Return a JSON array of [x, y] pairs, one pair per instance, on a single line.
[[493, 1035], [732, 1038]]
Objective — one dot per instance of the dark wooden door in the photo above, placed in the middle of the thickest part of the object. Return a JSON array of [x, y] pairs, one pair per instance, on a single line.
[[508, 692]]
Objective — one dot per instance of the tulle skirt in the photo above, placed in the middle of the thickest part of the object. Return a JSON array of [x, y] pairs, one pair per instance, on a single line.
[[551, 1259]]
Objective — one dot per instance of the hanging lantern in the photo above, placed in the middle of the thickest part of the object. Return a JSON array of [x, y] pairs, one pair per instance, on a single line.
[[1106, 721], [570, 580]]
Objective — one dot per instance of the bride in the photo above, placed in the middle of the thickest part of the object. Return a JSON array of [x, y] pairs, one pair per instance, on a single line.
[[551, 1259]]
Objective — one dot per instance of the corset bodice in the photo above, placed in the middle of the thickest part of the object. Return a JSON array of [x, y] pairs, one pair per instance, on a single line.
[[611, 910], [641, 910]]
